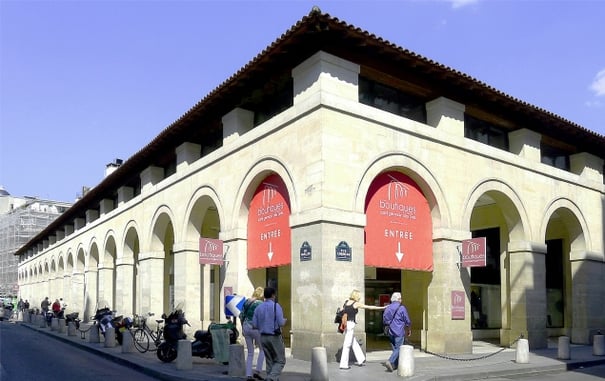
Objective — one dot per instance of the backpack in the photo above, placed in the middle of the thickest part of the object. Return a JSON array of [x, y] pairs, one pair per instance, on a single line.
[[242, 315]]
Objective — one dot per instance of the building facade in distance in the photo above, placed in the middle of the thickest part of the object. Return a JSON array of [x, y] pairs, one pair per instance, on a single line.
[[335, 161]]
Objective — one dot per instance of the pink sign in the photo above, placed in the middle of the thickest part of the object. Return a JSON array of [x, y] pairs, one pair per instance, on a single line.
[[458, 298], [473, 252], [211, 251]]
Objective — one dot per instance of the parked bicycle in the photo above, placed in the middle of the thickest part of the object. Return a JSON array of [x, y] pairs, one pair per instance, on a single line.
[[143, 335]]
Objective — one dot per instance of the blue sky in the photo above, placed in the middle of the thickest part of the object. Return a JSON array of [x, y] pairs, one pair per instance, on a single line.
[[85, 82]]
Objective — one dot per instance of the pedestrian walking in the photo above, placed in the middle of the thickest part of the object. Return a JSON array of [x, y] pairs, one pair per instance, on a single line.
[[252, 335], [269, 319], [351, 307], [399, 323]]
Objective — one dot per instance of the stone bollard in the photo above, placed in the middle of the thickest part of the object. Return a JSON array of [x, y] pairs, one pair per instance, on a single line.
[[598, 345], [319, 364], [237, 365], [71, 329], [184, 360], [127, 342], [92, 335], [522, 353], [42, 321], [563, 348], [406, 361], [54, 324], [19, 315], [62, 325], [26, 316], [110, 337]]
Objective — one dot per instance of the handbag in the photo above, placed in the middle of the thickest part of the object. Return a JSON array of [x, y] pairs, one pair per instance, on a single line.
[[343, 323], [386, 328]]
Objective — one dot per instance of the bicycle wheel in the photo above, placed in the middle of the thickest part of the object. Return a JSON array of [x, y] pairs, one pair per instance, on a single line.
[[141, 340]]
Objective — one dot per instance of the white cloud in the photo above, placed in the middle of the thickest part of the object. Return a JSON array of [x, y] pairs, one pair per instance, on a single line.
[[462, 3], [598, 84]]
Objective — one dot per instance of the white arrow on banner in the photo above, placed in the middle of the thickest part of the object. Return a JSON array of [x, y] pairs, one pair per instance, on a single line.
[[270, 252], [232, 305], [399, 253]]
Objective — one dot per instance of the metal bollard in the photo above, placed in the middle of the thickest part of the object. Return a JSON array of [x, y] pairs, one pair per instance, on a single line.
[[563, 348], [319, 364], [406, 361], [110, 337], [522, 353], [237, 365], [598, 345], [184, 359]]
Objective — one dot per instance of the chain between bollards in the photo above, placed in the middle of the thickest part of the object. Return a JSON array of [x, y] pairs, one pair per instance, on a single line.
[[474, 358]]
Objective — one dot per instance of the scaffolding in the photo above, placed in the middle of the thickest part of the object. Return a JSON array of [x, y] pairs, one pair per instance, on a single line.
[[17, 227]]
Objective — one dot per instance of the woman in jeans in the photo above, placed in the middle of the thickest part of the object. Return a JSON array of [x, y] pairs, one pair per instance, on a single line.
[[252, 335]]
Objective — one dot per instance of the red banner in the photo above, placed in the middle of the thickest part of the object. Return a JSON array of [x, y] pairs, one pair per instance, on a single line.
[[399, 228], [269, 225]]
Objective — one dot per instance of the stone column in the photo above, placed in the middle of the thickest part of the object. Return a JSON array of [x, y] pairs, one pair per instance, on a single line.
[[442, 334], [76, 298], [105, 276], [124, 286], [90, 292], [526, 294], [151, 273], [586, 300], [321, 283], [187, 278]]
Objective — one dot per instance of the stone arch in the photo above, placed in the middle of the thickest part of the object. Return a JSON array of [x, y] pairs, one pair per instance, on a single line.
[[107, 269], [204, 200], [499, 192], [573, 220], [255, 174]]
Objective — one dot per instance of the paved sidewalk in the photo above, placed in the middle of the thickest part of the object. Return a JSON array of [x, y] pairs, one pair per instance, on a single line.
[[487, 361]]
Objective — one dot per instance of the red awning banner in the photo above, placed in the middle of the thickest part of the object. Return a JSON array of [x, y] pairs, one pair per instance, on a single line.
[[399, 227], [269, 225]]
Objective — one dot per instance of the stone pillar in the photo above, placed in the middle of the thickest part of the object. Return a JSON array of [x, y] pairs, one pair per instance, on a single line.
[[151, 270], [186, 154], [150, 176], [324, 74], [442, 334], [526, 144], [77, 298], [105, 276], [235, 123], [110, 337], [324, 280], [587, 166], [586, 300], [90, 297], [446, 115], [124, 286], [187, 285], [527, 290]]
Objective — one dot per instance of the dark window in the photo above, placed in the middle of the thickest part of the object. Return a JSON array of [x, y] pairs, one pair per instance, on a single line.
[[490, 274], [485, 132], [554, 156], [554, 264], [389, 99], [276, 100]]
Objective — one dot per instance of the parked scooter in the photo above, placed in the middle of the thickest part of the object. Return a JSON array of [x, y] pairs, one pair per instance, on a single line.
[[72, 317], [200, 347], [106, 319]]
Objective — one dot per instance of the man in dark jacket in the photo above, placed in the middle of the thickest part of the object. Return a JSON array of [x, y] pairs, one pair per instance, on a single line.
[[400, 325]]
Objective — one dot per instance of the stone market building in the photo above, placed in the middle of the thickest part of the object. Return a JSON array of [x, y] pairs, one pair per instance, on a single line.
[[337, 160]]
